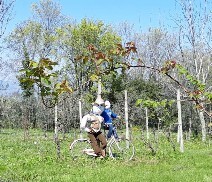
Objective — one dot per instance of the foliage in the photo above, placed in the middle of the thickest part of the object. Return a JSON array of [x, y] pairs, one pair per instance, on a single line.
[[75, 41], [41, 74], [159, 109], [34, 40], [112, 85], [197, 92], [99, 58]]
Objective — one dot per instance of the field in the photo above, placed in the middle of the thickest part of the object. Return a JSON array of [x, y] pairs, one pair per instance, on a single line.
[[34, 158]]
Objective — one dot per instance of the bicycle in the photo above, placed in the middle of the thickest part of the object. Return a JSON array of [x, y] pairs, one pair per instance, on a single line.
[[120, 148]]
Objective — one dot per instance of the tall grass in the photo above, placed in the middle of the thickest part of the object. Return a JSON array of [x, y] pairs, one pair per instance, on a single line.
[[35, 159]]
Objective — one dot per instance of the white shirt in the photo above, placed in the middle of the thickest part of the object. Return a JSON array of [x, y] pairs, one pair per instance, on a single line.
[[88, 122]]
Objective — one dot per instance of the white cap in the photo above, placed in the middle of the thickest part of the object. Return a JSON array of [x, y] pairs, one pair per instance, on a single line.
[[107, 104]]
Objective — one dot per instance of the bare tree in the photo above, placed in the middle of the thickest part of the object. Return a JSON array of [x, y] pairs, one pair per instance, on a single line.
[[195, 42], [5, 14]]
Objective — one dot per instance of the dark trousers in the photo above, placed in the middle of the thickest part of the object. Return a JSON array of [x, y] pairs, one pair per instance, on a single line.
[[98, 142], [112, 131]]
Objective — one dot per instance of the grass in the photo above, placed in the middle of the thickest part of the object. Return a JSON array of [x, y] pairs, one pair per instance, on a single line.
[[35, 159]]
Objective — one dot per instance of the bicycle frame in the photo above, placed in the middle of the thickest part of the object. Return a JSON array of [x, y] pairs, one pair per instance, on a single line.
[[109, 142], [90, 151], [112, 140], [117, 148]]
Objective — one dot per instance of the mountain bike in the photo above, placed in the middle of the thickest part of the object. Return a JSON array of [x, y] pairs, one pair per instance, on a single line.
[[120, 148]]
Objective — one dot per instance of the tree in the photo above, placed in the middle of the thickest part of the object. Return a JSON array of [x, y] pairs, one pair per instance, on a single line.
[[194, 93], [5, 16], [37, 37], [77, 40], [195, 44], [34, 41]]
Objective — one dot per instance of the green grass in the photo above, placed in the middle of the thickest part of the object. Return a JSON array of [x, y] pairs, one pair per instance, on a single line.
[[35, 159]]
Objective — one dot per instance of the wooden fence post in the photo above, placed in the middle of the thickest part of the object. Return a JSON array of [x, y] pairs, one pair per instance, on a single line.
[[126, 115], [180, 129], [147, 124]]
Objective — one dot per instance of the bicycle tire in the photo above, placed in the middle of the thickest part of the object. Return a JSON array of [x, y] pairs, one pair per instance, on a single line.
[[122, 149], [77, 147]]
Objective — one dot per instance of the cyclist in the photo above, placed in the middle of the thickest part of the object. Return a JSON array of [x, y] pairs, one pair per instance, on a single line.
[[91, 123], [108, 115]]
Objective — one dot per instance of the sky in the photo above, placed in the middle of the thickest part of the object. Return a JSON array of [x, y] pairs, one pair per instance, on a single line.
[[143, 14]]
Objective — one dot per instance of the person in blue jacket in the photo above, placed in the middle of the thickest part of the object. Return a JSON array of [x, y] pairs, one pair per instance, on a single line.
[[108, 116]]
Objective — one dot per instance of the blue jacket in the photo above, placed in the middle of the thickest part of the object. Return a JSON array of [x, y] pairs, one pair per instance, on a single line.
[[107, 114]]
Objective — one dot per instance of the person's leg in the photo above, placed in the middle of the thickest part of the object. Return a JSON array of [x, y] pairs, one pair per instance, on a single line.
[[115, 133], [103, 141], [94, 143], [110, 132]]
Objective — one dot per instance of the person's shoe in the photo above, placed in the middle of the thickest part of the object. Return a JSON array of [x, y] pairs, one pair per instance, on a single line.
[[118, 139]]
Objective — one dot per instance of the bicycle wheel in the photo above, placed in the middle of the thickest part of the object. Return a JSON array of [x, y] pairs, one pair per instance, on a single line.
[[122, 149], [78, 147]]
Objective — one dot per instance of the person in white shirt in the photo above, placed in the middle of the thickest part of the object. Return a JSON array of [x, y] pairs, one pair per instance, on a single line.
[[91, 123]]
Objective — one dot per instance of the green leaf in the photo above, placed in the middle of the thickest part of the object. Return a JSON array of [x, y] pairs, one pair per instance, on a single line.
[[94, 77], [33, 64], [23, 70], [53, 74], [45, 80], [138, 102]]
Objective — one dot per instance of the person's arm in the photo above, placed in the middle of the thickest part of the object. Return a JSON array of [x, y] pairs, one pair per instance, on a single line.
[[83, 123], [113, 115]]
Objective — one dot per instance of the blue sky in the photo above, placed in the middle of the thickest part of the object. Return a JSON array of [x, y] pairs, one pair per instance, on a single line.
[[142, 13]]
